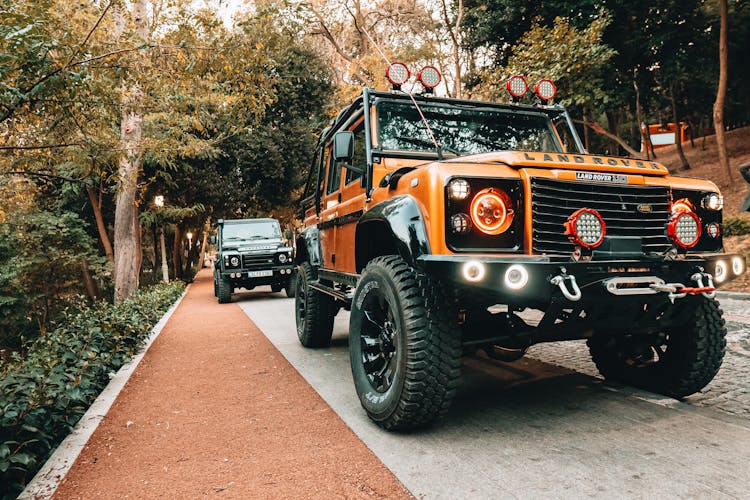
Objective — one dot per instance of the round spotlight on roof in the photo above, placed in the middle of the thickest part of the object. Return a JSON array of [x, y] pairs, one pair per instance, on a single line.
[[545, 89], [429, 77], [517, 86], [398, 74]]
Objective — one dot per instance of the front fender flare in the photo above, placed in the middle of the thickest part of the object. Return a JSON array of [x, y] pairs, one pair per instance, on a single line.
[[394, 226]]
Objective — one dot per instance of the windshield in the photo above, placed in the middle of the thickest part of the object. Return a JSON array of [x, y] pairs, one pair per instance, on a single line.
[[265, 230], [464, 130]]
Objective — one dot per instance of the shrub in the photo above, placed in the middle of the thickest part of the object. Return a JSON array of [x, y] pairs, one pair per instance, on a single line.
[[736, 226], [44, 393]]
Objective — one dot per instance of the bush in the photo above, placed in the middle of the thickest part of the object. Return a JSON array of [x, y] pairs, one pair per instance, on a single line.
[[44, 393], [736, 226]]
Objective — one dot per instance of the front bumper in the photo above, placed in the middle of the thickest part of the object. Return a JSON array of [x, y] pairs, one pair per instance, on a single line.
[[542, 284], [261, 275]]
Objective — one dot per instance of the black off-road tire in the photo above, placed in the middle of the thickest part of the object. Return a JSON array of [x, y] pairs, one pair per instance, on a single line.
[[425, 366], [276, 288], [314, 310], [223, 290], [216, 288], [692, 356], [291, 285]]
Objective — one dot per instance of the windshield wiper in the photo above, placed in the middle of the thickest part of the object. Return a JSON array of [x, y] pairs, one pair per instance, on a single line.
[[418, 141]]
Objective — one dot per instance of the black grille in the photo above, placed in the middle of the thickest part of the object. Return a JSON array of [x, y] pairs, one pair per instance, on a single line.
[[250, 261], [553, 201]]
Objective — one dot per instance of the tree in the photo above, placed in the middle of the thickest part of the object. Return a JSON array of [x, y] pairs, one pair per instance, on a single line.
[[721, 93]]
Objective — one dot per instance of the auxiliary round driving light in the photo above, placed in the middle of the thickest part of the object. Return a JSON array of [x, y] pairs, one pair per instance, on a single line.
[[490, 211], [460, 223], [473, 271], [720, 271], [684, 229], [429, 77], [398, 74], [713, 230], [586, 228], [545, 89], [234, 261], [738, 266], [516, 277], [517, 86], [458, 189], [713, 201], [282, 258]]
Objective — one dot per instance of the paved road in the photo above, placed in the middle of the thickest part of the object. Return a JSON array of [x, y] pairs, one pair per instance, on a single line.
[[534, 429]]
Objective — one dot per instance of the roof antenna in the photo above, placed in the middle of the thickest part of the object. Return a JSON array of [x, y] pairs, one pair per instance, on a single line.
[[438, 149]]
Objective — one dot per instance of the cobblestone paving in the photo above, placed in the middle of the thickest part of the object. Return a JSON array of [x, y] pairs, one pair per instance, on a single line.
[[730, 389]]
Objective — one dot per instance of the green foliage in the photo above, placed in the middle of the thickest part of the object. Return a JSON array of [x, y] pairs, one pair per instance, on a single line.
[[736, 226], [44, 393], [41, 258]]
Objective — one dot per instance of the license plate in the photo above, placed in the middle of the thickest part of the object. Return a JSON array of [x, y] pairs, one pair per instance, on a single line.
[[260, 274]]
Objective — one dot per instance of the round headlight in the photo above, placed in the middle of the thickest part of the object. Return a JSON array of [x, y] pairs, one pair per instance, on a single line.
[[586, 228], [234, 261], [458, 189], [282, 258], [490, 211], [684, 229], [713, 201]]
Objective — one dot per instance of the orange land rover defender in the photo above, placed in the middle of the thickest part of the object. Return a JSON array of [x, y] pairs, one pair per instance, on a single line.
[[450, 225]]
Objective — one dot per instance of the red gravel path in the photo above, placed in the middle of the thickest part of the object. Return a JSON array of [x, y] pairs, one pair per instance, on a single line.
[[214, 410]]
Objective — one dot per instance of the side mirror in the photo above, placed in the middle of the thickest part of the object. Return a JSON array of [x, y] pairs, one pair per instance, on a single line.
[[343, 147], [213, 239]]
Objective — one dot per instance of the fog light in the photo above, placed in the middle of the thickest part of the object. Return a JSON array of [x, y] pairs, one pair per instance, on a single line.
[[713, 230], [738, 267], [516, 277], [460, 223], [720, 271], [473, 271]]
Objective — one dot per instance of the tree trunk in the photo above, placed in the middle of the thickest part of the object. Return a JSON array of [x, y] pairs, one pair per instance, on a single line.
[[455, 32], [600, 130], [642, 127], [164, 267], [126, 271], [176, 254], [614, 149], [91, 289], [721, 93], [684, 164], [96, 205], [204, 243]]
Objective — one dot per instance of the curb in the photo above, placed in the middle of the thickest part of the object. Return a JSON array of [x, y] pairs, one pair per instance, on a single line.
[[45, 482]]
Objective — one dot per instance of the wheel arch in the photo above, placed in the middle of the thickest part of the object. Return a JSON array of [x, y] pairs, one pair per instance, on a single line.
[[394, 227], [308, 247]]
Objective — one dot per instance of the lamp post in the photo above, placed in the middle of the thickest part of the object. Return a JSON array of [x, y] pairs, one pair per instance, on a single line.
[[159, 203]]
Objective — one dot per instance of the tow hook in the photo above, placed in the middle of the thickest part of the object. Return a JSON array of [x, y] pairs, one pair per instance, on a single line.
[[560, 280], [678, 290]]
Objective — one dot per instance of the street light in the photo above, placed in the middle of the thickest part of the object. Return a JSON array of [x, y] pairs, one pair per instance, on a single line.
[[159, 203]]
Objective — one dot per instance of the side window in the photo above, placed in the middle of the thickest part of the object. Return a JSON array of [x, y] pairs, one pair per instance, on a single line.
[[320, 165], [359, 154], [334, 174]]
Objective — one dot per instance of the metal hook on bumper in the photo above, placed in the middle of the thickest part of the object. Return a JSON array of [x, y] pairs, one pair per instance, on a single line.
[[559, 281], [708, 290]]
